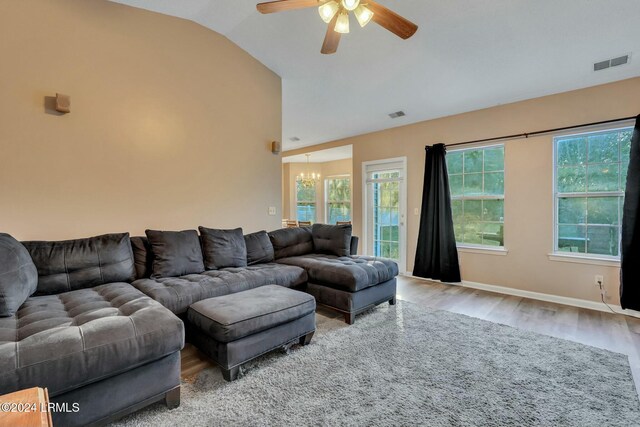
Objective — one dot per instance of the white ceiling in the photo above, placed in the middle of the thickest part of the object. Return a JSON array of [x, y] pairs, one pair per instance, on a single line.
[[321, 156], [466, 55]]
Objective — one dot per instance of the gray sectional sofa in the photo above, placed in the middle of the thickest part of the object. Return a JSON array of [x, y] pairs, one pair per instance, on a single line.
[[100, 321]]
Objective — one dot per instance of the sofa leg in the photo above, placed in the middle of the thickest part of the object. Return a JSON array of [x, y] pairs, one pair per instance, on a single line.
[[230, 374], [392, 301], [172, 398], [306, 339], [350, 318]]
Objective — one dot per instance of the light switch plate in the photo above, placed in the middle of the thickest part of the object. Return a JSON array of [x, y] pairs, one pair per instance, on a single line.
[[416, 211], [272, 210]]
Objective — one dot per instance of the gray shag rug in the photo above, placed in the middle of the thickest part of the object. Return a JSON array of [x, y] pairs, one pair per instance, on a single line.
[[410, 365]]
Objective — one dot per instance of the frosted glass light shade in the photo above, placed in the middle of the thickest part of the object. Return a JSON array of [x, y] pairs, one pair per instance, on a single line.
[[328, 10], [342, 24], [363, 15], [350, 4]]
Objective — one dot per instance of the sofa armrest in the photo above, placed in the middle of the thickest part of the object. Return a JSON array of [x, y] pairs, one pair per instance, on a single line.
[[354, 245]]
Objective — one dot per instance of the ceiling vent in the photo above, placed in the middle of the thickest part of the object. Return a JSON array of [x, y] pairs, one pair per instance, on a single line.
[[294, 139], [615, 62], [397, 114]]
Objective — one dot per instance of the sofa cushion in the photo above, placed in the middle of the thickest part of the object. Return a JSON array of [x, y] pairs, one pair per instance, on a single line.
[[178, 293], [68, 340], [288, 242], [332, 239], [259, 248], [348, 273], [223, 248], [142, 256], [231, 317], [82, 263], [18, 275], [175, 253]]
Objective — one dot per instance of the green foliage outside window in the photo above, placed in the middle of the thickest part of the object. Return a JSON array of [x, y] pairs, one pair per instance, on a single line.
[[476, 182], [305, 202], [386, 212], [338, 199], [591, 175]]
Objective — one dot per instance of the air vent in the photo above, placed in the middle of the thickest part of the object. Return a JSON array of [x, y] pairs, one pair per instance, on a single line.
[[397, 114], [598, 66], [615, 62], [619, 61], [294, 139]]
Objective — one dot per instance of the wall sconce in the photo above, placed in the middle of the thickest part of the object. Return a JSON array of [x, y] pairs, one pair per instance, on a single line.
[[63, 103], [276, 147]]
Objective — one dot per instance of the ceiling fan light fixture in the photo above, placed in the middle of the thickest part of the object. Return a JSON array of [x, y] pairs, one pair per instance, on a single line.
[[328, 10], [363, 15], [350, 4], [342, 24]]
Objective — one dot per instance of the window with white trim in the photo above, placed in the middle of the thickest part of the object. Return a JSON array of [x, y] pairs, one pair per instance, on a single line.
[[305, 202], [476, 181], [338, 199], [590, 178]]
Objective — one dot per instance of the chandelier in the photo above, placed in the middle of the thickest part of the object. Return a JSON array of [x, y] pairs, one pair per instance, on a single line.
[[342, 8], [308, 180]]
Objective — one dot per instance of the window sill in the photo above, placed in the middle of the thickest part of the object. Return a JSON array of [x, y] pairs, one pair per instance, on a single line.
[[584, 260], [483, 250]]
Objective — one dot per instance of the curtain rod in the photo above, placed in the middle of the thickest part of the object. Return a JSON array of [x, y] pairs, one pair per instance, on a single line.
[[541, 132]]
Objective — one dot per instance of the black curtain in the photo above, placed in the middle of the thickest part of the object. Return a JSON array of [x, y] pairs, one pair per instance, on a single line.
[[436, 255], [630, 245]]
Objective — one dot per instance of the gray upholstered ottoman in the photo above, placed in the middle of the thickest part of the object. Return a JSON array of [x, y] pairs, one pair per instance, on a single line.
[[235, 328]]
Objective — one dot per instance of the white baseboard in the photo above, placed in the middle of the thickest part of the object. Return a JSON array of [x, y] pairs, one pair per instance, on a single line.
[[574, 302]]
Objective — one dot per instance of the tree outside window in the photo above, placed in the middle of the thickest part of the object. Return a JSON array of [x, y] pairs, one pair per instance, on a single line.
[[590, 180], [305, 202], [338, 196], [476, 182]]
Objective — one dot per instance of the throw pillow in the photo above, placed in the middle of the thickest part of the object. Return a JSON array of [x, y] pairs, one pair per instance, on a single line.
[[259, 248], [175, 253], [223, 248], [18, 277], [332, 239]]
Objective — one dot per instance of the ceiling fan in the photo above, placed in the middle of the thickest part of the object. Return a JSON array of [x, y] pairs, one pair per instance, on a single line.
[[336, 14]]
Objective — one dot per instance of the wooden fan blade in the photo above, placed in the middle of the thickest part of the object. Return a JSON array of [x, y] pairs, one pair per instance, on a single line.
[[282, 5], [390, 20], [332, 38]]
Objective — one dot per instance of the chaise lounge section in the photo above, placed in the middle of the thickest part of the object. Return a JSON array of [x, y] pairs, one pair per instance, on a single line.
[[83, 332], [349, 284]]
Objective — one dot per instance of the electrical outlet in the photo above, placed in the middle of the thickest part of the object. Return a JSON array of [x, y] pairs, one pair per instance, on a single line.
[[272, 210], [598, 280]]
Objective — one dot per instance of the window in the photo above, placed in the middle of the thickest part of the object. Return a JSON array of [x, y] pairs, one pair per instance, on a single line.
[[305, 202], [476, 180], [386, 213], [590, 178], [338, 194]]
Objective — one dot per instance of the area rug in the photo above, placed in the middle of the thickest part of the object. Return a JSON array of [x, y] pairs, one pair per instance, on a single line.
[[410, 365]]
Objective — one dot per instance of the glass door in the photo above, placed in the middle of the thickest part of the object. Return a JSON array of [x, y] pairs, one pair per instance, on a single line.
[[385, 210]]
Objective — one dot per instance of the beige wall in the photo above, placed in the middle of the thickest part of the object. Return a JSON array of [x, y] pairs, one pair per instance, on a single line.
[[528, 183], [325, 169], [170, 124]]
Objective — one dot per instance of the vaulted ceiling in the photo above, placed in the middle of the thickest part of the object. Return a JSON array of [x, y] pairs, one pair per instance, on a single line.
[[466, 55]]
